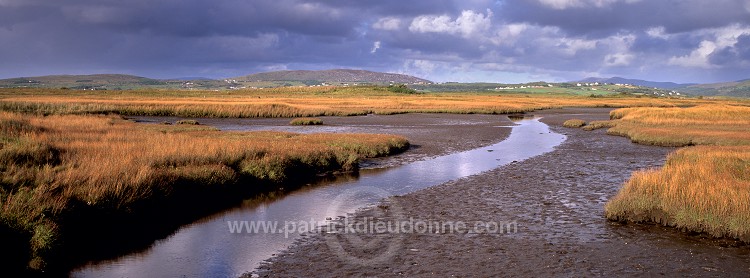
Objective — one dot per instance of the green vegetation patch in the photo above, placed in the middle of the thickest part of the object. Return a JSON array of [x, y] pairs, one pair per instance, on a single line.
[[401, 89]]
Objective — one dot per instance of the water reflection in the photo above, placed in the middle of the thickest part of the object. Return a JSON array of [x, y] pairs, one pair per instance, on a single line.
[[207, 248]]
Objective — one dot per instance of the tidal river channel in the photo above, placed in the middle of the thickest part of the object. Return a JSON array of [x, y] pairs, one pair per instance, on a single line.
[[212, 247]]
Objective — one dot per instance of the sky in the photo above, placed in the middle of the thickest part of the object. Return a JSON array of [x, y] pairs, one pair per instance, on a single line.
[[508, 41]]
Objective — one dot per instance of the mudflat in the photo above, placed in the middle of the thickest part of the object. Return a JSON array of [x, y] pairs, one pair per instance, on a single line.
[[430, 135], [554, 204]]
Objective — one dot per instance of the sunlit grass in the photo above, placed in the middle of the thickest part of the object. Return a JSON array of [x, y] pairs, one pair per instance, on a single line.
[[701, 125], [702, 188], [105, 162], [54, 153], [593, 125], [300, 102], [574, 123]]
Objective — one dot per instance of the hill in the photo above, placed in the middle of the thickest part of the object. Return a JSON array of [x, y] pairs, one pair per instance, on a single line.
[[258, 80], [637, 82], [78, 81], [93, 81], [106, 82], [731, 89], [315, 77]]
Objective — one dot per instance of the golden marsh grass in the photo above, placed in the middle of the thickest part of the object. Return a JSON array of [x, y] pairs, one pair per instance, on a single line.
[[306, 121], [54, 152], [48, 163], [702, 188], [301, 102], [700, 125], [574, 123]]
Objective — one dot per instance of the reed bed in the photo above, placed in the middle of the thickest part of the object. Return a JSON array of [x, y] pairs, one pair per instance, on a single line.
[[701, 188], [700, 125], [301, 102], [50, 164]]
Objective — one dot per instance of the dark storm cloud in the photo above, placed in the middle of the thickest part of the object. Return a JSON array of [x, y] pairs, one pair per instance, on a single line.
[[603, 17], [441, 39], [167, 33], [395, 7], [737, 55]]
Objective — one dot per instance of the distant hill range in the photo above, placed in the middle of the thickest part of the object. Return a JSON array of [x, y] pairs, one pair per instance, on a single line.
[[107, 82], [78, 81], [637, 82], [731, 89], [267, 79], [332, 76]]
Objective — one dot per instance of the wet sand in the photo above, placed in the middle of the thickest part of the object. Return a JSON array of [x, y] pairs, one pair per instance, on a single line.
[[556, 202]]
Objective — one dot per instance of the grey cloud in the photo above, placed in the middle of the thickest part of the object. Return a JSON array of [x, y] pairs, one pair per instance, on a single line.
[[220, 38], [737, 55], [675, 15]]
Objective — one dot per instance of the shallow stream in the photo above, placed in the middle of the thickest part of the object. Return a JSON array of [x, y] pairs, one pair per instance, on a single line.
[[209, 248]]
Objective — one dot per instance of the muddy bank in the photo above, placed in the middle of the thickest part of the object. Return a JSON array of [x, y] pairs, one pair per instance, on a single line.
[[555, 202], [430, 135]]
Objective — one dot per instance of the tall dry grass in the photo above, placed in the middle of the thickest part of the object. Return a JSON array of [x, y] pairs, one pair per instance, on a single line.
[[704, 189], [50, 163], [300, 102], [700, 125], [701, 188]]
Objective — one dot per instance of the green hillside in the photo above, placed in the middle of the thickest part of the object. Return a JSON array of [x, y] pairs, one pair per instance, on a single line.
[[107, 82], [728, 89], [334, 77]]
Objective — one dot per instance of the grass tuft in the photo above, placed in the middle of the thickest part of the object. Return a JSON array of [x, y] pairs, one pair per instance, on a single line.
[[594, 125], [306, 121], [187, 122], [574, 123]]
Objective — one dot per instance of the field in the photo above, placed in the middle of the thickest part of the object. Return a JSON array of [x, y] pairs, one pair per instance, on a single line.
[[701, 188], [302, 102], [56, 166]]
